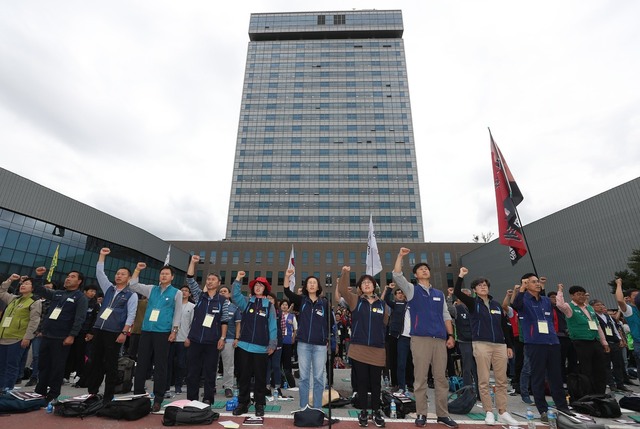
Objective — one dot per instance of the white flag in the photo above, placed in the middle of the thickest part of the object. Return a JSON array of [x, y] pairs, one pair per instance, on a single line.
[[166, 260], [374, 265], [292, 265]]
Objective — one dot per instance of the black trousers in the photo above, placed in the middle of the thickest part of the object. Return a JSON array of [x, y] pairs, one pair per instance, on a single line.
[[615, 365], [568, 358], [591, 362], [104, 361], [53, 358], [251, 365], [391, 346], [368, 381], [518, 351], [545, 364], [202, 358], [76, 358], [153, 352]]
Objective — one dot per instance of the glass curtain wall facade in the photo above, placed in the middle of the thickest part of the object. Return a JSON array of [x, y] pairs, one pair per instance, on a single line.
[[325, 136], [27, 243]]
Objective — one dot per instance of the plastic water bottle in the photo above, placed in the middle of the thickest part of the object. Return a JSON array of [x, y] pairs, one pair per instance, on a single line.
[[275, 394], [386, 382], [285, 385], [552, 416], [530, 423], [236, 393], [392, 410], [49, 408], [492, 389]]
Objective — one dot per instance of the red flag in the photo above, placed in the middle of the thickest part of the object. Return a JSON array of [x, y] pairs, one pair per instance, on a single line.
[[508, 196]]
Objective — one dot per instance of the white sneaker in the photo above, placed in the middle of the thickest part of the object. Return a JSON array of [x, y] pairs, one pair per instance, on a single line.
[[508, 419], [490, 419]]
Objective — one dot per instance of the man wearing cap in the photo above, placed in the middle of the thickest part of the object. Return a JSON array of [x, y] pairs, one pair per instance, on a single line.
[[258, 339]]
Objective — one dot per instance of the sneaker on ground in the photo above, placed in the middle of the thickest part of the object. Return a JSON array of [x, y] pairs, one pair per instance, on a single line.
[[378, 419], [490, 418], [421, 420], [363, 419], [508, 419], [527, 400], [543, 417], [448, 422]]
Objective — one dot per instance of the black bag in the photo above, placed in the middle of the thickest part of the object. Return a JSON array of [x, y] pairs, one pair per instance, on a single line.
[[10, 404], [131, 409], [630, 403], [579, 386], [309, 417], [599, 405], [124, 382], [462, 401], [566, 421], [78, 407], [176, 416], [404, 404]]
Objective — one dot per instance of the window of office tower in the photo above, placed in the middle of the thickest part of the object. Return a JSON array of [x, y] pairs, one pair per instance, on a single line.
[[321, 19], [339, 19]]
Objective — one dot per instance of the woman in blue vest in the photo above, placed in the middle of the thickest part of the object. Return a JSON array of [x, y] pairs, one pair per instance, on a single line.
[[312, 338], [367, 350], [258, 340], [491, 347]]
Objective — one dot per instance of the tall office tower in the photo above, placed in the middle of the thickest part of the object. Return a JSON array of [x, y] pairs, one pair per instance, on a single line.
[[325, 135]]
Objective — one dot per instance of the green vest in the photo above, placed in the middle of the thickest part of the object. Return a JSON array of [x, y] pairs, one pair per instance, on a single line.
[[19, 309], [578, 324]]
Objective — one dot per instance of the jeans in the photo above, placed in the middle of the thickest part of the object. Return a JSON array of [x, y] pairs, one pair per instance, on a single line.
[[273, 364], [544, 361], [525, 376], [10, 357], [311, 358], [404, 350], [35, 356]]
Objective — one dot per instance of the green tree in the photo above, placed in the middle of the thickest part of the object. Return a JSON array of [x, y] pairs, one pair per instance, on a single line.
[[630, 277]]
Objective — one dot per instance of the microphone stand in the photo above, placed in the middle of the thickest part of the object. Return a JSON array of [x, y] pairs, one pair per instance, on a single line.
[[328, 294]]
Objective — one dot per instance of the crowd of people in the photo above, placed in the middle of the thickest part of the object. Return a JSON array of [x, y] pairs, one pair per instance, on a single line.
[[412, 334]]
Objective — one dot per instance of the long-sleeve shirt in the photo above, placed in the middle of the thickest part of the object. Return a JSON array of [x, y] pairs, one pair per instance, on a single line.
[[59, 298], [28, 333], [408, 289], [105, 284], [568, 312]]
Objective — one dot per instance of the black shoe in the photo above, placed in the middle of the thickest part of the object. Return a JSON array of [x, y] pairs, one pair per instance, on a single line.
[[156, 407], [421, 420], [31, 382], [228, 393], [259, 410], [363, 419], [448, 422], [206, 401], [378, 419], [430, 384], [241, 409]]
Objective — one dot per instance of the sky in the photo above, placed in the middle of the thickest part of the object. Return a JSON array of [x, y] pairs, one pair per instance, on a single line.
[[132, 107]]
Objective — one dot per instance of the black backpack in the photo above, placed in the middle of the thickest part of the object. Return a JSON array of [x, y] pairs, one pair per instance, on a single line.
[[79, 407], [9, 404], [176, 416], [130, 409], [404, 404], [599, 405], [462, 400], [579, 386], [630, 403], [124, 381]]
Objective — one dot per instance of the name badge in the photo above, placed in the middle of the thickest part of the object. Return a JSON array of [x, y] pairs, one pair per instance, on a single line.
[[106, 313], [593, 325], [215, 311], [208, 321], [437, 298], [153, 317], [320, 312], [546, 313], [71, 300], [495, 311], [608, 331], [55, 313], [543, 327], [6, 322], [262, 313]]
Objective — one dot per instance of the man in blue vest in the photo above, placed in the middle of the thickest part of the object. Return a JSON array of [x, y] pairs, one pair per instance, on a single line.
[[111, 327], [431, 335], [159, 328], [61, 324]]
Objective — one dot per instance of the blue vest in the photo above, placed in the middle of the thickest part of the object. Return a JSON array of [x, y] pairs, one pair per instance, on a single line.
[[312, 321], [396, 319], [232, 309], [118, 317], [254, 328], [426, 313], [67, 302], [368, 323], [530, 314], [463, 323], [287, 337], [486, 325], [165, 302], [205, 305]]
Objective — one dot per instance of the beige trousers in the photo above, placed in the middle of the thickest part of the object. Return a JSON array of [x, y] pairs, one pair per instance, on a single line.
[[487, 355], [430, 351]]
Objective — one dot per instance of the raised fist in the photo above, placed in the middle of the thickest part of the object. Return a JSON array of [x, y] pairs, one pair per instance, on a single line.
[[346, 269], [195, 259], [463, 271], [404, 251], [240, 275], [40, 271], [141, 266], [290, 272], [105, 251], [14, 277]]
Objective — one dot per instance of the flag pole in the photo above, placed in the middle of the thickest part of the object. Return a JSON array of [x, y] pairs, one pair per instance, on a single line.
[[526, 243]]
